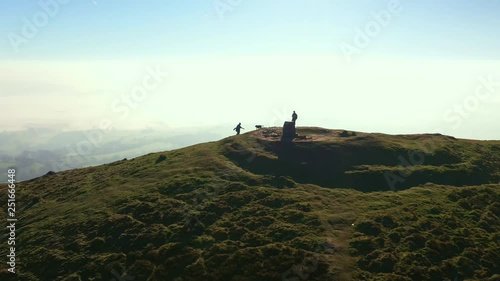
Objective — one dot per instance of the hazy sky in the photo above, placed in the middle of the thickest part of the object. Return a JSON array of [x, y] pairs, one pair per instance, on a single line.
[[375, 66]]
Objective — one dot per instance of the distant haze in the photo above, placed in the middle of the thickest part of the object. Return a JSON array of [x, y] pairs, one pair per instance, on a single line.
[[373, 66], [390, 96]]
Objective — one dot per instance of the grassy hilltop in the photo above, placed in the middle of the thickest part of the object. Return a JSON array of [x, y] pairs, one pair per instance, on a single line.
[[250, 207]]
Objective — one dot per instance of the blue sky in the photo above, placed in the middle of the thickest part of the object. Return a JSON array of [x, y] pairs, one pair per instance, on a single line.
[[134, 29], [260, 61]]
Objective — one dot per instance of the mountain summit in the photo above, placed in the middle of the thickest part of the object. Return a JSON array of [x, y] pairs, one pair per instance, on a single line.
[[329, 205]]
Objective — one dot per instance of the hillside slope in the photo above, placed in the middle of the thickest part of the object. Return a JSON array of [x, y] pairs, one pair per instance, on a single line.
[[249, 207]]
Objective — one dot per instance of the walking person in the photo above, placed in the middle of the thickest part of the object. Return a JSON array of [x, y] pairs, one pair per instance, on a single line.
[[238, 128]]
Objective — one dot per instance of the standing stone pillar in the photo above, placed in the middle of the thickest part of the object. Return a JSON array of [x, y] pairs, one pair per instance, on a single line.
[[289, 132]]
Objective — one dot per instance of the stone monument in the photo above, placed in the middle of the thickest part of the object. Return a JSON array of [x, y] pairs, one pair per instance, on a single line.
[[289, 132]]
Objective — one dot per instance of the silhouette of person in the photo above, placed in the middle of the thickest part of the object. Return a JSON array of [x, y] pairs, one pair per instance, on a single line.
[[238, 128], [294, 116]]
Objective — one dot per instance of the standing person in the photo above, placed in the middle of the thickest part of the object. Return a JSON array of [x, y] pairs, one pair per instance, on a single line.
[[294, 116], [238, 128]]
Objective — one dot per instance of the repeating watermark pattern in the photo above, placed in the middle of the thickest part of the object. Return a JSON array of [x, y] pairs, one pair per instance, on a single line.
[[32, 26], [408, 164], [371, 29], [222, 7], [121, 108], [11, 220], [485, 89]]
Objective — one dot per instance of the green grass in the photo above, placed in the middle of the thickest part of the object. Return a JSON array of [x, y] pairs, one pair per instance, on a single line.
[[245, 208], [430, 233]]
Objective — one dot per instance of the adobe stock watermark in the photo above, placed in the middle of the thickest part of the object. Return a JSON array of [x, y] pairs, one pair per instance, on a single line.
[[222, 7], [40, 19], [372, 29], [485, 89], [121, 107], [408, 164]]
